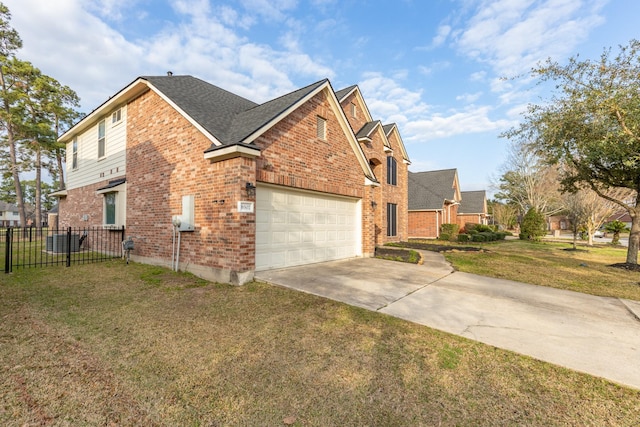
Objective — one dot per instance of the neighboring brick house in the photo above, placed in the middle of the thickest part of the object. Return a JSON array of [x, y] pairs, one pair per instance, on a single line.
[[434, 198], [255, 186], [473, 208]]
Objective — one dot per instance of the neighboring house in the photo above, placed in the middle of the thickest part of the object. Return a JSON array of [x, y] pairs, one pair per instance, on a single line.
[[622, 216], [434, 198], [254, 186], [473, 208], [9, 215], [558, 222]]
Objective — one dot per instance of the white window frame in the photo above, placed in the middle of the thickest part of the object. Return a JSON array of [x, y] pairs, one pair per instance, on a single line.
[[120, 194], [74, 154], [116, 117], [102, 139]]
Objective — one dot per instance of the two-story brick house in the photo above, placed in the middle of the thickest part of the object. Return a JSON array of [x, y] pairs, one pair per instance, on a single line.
[[291, 181]]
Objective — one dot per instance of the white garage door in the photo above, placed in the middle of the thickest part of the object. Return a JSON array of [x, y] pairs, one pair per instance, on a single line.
[[295, 228]]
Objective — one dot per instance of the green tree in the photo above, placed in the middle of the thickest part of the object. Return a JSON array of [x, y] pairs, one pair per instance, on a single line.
[[616, 227], [592, 124], [533, 226]]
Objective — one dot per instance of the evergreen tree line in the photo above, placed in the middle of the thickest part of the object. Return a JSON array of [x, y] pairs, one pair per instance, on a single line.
[[34, 110]]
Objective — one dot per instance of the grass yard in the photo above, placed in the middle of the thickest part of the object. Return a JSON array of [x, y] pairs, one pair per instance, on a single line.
[[548, 263], [111, 344]]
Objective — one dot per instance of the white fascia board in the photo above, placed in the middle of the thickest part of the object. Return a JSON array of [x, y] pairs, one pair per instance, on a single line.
[[138, 87], [113, 189], [231, 152], [367, 113], [59, 193], [249, 139], [369, 182], [348, 131]]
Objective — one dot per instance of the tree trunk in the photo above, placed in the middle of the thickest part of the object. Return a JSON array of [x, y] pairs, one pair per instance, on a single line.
[[38, 187], [61, 184], [634, 236]]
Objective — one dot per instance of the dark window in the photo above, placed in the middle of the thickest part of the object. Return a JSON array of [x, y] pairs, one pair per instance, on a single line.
[[392, 171], [392, 219], [110, 208]]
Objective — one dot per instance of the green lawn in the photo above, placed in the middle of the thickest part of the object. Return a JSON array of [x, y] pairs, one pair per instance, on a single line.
[[547, 263], [116, 344]]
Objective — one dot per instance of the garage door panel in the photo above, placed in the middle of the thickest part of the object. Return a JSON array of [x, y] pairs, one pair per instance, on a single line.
[[294, 228]]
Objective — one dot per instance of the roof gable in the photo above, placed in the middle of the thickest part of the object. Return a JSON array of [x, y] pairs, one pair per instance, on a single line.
[[473, 202], [432, 189], [392, 132]]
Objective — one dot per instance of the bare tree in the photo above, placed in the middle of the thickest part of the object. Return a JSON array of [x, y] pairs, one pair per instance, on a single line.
[[529, 183]]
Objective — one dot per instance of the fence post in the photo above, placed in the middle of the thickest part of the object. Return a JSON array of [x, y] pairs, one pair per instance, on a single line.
[[7, 253], [122, 240], [68, 246]]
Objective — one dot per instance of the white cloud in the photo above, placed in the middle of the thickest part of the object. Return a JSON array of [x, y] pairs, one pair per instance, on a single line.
[[68, 40], [514, 35], [389, 101], [469, 121], [469, 98], [441, 36]]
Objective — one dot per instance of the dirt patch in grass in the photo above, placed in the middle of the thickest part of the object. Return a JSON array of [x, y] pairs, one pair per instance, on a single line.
[[626, 266], [398, 254], [439, 247]]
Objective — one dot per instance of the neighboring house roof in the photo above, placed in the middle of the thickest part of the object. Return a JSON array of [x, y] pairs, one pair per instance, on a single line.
[[473, 202], [622, 216], [8, 207], [431, 190]]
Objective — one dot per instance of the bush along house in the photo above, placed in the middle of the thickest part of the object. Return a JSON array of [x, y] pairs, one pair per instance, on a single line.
[[307, 177]]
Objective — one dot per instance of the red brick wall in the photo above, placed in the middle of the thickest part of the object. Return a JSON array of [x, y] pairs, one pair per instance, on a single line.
[[470, 218], [424, 224], [386, 193], [293, 156], [165, 161]]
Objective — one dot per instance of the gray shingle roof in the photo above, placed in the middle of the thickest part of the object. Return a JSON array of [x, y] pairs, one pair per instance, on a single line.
[[228, 117], [342, 93], [473, 202], [367, 129], [211, 107], [428, 190], [247, 122], [7, 207]]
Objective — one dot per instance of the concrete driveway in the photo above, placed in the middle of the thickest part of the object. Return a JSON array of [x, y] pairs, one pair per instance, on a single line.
[[596, 335]]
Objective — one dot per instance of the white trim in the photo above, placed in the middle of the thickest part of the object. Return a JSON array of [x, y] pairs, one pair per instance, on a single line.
[[59, 193], [231, 152], [115, 189], [367, 181]]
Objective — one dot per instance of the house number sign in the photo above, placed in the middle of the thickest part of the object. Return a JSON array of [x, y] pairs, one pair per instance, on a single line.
[[245, 207]]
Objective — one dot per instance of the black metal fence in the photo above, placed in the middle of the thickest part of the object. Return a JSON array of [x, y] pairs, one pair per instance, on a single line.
[[39, 247]]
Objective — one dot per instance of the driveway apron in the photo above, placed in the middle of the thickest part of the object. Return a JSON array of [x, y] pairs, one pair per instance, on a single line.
[[596, 335]]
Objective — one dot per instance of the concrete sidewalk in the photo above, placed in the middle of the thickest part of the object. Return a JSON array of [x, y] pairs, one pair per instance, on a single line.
[[596, 335]]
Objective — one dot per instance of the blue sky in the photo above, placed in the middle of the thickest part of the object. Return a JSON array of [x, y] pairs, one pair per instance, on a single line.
[[434, 67]]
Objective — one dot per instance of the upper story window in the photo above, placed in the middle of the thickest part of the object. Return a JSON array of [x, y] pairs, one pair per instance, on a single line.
[[116, 116], [392, 171], [321, 131], [74, 154], [101, 140]]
